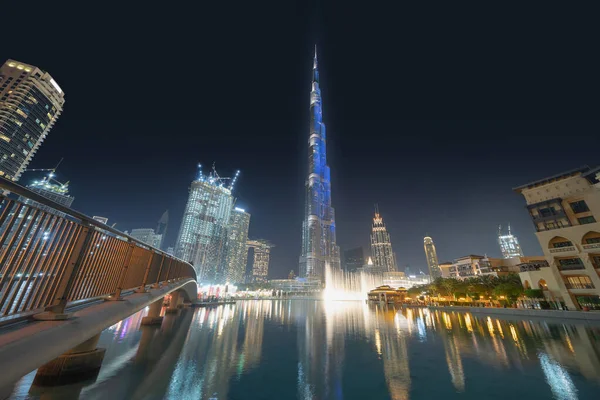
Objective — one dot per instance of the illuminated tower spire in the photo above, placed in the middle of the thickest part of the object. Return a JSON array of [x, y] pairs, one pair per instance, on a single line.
[[432, 259], [381, 245], [319, 246]]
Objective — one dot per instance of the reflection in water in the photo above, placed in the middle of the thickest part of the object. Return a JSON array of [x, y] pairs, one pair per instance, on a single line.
[[308, 349]]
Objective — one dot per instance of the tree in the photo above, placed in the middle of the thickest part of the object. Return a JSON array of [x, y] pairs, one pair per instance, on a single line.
[[534, 293], [510, 290]]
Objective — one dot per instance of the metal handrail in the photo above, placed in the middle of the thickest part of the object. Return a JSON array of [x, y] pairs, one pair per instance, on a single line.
[[17, 189], [51, 255]]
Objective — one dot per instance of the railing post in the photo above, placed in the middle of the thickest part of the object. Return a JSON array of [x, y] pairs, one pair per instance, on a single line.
[[142, 288], [56, 311], [162, 262], [117, 295]]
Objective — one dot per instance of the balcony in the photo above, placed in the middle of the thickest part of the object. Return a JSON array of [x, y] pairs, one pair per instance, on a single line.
[[533, 266], [571, 267], [591, 246], [579, 285], [565, 249]]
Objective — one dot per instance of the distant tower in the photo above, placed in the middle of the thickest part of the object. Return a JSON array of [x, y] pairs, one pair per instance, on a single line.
[[237, 251], [161, 227], [30, 103], [381, 245], [319, 246], [260, 266], [432, 259], [203, 233], [509, 244]]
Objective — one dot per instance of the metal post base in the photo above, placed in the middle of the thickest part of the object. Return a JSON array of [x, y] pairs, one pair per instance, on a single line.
[[52, 316], [152, 320]]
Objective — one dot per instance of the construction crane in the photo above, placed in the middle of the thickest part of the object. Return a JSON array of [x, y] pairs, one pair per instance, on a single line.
[[49, 180], [214, 177]]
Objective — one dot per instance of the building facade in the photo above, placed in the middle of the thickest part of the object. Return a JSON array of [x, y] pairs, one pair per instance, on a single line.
[[354, 259], [203, 233], [473, 266], [262, 255], [237, 250], [148, 236], [30, 103], [432, 259], [161, 227], [381, 245], [565, 210], [509, 244], [319, 246]]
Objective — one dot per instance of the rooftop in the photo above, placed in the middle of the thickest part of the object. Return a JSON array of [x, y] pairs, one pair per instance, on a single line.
[[583, 170]]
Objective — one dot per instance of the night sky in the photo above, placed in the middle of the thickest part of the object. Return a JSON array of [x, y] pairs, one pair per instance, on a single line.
[[434, 113]]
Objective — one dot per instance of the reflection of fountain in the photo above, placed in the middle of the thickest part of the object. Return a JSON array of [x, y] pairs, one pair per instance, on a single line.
[[342, 285]]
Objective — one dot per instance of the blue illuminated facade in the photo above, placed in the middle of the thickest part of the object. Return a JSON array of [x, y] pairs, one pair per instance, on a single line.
[[319, 246]]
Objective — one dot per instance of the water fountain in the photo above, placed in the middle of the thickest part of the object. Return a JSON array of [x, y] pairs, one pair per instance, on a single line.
[[342, 285]]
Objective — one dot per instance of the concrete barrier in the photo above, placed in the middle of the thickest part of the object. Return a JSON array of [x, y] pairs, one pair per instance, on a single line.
[[523, 312]]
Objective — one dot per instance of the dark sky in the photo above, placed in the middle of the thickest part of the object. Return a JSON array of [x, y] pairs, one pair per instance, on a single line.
[[434, 112]]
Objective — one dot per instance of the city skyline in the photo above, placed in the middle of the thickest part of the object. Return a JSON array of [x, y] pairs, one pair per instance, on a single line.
[[430, 166]]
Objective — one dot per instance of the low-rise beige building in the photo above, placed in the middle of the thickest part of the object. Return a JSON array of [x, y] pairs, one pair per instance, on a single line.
[[565, 210], [474, 266]]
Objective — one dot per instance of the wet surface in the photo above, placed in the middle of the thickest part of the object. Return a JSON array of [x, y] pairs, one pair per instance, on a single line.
[[307, 349]]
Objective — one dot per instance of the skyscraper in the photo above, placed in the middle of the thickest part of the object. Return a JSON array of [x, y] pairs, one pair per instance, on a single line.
[[161, 228], [509, 245], [30, 103], [432, 259], [381, 245], [262, 253], [237, 251], [354, 259], [203, 233], [319, 246], [148, 236]]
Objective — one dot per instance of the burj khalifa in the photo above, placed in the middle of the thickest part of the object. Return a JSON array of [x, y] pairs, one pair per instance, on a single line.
[[319, 246]]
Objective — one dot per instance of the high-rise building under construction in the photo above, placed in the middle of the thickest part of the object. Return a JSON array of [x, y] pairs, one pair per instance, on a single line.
[[203, 233]]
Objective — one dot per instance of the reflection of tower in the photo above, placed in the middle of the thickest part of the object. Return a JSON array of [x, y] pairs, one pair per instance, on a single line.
[[253, 338], [318, 228], [509, 245], [432, 260], [381, 245], [390, 341]]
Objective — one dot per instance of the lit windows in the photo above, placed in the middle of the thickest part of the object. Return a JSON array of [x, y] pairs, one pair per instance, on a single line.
[[579, 282]]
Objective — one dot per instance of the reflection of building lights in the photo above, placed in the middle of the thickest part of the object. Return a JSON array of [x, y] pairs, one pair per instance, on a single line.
[[513, 333], [378, 341], [558, 378], [468, 323], [447, 321], [490, 326]]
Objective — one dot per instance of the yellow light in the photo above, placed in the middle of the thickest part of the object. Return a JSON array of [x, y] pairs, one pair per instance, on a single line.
[[11, 65], [20, 66]]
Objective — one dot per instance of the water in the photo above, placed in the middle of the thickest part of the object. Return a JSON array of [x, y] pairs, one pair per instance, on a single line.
[[309, 349]]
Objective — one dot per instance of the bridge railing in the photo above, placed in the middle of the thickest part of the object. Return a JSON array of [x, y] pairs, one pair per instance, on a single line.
[[51, 255]]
